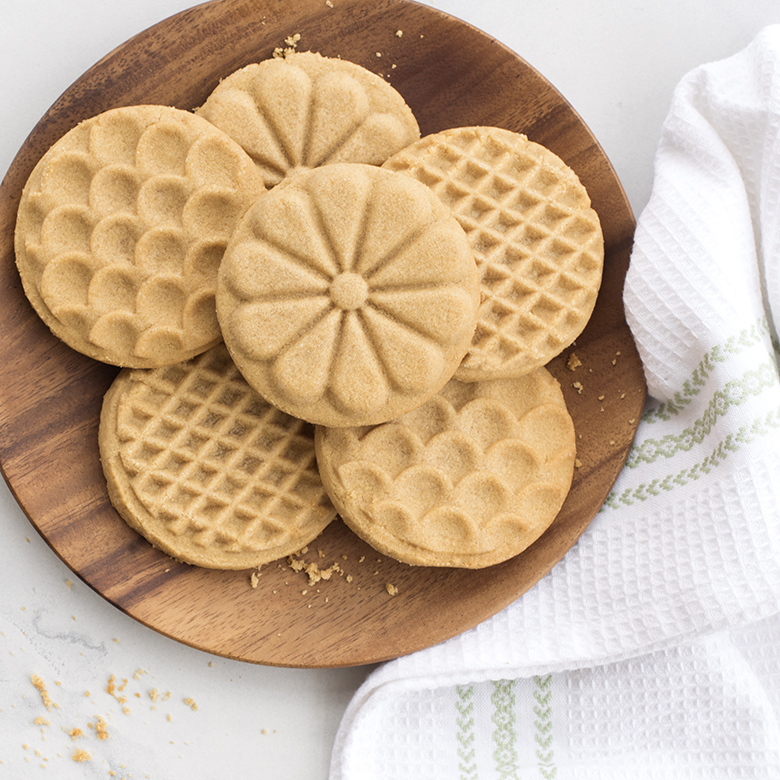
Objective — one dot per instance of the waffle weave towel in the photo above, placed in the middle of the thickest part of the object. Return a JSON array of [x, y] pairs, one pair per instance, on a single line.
[[653, 649]]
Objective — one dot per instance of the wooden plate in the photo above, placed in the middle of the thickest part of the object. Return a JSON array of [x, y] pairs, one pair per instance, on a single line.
[[451, 75]]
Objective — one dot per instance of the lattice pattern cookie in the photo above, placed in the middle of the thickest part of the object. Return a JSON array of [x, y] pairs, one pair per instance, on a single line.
[[348, 295], [534, 234], [205, 469], [305, 110], [470, 479], [121, 229]]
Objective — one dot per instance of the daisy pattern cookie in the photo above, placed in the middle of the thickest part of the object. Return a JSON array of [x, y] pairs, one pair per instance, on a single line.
[[304, 110], [348, 295]]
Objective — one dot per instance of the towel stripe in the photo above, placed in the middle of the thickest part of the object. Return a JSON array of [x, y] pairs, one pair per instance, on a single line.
[[505, 732], [747, 434], [467, 757], [735, 345], [734, 393]]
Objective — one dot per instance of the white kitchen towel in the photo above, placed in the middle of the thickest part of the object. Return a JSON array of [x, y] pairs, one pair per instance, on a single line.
[[651, 650]]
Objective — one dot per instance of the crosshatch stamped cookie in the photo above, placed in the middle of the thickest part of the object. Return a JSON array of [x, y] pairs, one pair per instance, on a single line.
[[121, 229], [535, 236], [348, 295], [306, 110], [468, 480], [205, 469]]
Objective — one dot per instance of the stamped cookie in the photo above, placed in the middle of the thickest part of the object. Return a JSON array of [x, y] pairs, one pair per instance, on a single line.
[[468, 480], [121, 228], [535, 236], [305, 110], [348, 295], [205, 469]]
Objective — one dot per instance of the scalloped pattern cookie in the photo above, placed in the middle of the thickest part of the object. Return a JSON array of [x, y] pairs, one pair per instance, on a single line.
[[348, 295], [306, 110], [535, 236], [468, 480], [121, 229], [205, 469]]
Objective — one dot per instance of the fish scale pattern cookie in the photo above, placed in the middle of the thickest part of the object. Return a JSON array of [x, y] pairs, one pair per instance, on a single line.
[[121, 229], [348, 295], [468, 480], [535, 236], [306, 110], [207, 470]]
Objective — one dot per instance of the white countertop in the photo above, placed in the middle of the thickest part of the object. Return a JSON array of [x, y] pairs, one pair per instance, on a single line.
[[190, 714]]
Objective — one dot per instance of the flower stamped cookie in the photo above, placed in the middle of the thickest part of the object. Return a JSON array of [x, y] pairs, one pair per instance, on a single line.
[[348, 295], [305, 110]]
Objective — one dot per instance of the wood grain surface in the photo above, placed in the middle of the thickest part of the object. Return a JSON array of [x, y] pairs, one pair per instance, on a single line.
[[451, 75]]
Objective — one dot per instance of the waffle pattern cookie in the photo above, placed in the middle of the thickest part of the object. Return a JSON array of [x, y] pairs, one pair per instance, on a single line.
[[305, 110], [535, 237], [348, 295], [205, 469], [121, 229], [470, 479]]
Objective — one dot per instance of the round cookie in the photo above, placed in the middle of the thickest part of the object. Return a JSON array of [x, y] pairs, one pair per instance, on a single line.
[[121, 228], [205, 469], [304, 110], [535, 236], [348, 295], [468, 480]]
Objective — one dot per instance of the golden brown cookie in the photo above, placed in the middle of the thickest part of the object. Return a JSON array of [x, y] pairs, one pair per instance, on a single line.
[[121, 228], [468, 480], [205, 469], [305, 110], [348, 295], [535, 236]]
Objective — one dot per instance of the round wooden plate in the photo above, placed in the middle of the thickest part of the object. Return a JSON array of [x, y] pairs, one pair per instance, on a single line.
[[451, 75]]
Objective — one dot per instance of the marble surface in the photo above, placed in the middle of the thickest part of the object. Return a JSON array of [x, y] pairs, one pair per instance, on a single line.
[[167, 710]]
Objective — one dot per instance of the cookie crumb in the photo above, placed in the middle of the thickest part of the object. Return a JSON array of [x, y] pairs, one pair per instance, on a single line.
[[578, 387], [573, 362], [291, 43], [329, 3], [74, 733], [253, 579], [190, 702], [41, 686], [391, 589], [399, 33], [80, 755], [577, 463], [101, 728]]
